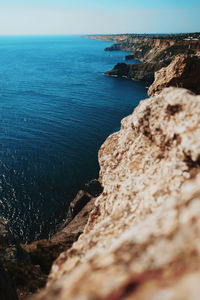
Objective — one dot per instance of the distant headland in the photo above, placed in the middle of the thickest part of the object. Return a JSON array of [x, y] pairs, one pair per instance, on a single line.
[[157, 51]]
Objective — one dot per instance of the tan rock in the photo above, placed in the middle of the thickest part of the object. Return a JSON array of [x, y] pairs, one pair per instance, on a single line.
[[184, 71], [142, 238]]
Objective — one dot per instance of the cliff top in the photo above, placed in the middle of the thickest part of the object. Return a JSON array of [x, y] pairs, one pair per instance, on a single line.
[[190, 35]]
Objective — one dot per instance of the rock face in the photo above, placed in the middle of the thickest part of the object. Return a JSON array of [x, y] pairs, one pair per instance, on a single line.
[[184, 71], [24, 268], [44, 252], [144, 72], [148, 48], [155, 51], [115, 47], [142, 238]]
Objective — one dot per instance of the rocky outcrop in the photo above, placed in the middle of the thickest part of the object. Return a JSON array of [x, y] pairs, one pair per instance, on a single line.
[[28, 265], [184, 71], [44, 252], [22, 276], [144, 72], [129, 57], [148, 48], [142, 238], [114, 47], [155, 51]]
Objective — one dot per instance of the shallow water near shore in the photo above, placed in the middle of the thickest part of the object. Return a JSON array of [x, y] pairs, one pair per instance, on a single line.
[[56, 109]]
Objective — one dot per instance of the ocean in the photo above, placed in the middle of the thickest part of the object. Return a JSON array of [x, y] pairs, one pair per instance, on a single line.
[[56, 109]]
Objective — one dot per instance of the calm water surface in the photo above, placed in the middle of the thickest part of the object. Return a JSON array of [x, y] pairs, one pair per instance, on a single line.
[[56, 109]]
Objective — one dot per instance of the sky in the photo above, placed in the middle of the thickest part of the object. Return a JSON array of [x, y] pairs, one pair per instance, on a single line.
[[33, 17]]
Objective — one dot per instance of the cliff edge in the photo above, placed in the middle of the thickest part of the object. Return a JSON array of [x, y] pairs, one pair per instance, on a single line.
[[156, 52], [142, 237], [184, 71]]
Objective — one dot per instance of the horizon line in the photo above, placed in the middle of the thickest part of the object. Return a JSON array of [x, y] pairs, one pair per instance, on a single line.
[[88, 34]]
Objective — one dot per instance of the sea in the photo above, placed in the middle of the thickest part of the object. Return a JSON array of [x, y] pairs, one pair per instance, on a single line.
[[56, 109]]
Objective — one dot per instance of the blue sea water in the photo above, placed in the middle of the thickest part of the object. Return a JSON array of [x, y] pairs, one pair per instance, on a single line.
[[56, 109]]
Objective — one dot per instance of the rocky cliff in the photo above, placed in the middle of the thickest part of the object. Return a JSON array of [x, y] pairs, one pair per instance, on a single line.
[[17, 274], [184, 71], [24, 268], [108, 37], [149, 48], [144, 72], [155, 52], [142, 237]]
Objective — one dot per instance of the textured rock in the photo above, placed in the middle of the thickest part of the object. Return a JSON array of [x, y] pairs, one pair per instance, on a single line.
[[44, 252], [142, 238], [184, 71]]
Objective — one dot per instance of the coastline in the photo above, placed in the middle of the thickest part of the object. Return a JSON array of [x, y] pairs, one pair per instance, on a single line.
[[151, 182], [44, 252]]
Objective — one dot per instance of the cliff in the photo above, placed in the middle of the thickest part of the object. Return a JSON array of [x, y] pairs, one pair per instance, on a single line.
[[142, 237], [149, 48], [154, 51], [24, 268], [108, 37], [184, 71], [144, 72], [17, 274]]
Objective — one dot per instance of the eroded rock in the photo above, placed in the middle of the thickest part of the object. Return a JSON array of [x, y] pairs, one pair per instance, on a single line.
[[184, 71], [142, 238]]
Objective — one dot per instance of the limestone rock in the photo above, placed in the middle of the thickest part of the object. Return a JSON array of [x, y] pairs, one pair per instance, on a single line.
[[142, 238], [184, 71]]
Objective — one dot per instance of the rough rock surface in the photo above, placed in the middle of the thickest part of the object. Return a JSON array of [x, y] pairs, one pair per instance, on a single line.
[[24, 268], [44, 252], [184, 71], [142, 238]]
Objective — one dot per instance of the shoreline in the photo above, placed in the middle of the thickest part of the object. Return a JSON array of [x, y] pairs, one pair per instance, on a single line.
[[83, 211]]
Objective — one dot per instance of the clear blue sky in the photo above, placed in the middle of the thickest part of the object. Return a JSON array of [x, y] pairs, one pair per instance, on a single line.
[[98, 16]]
